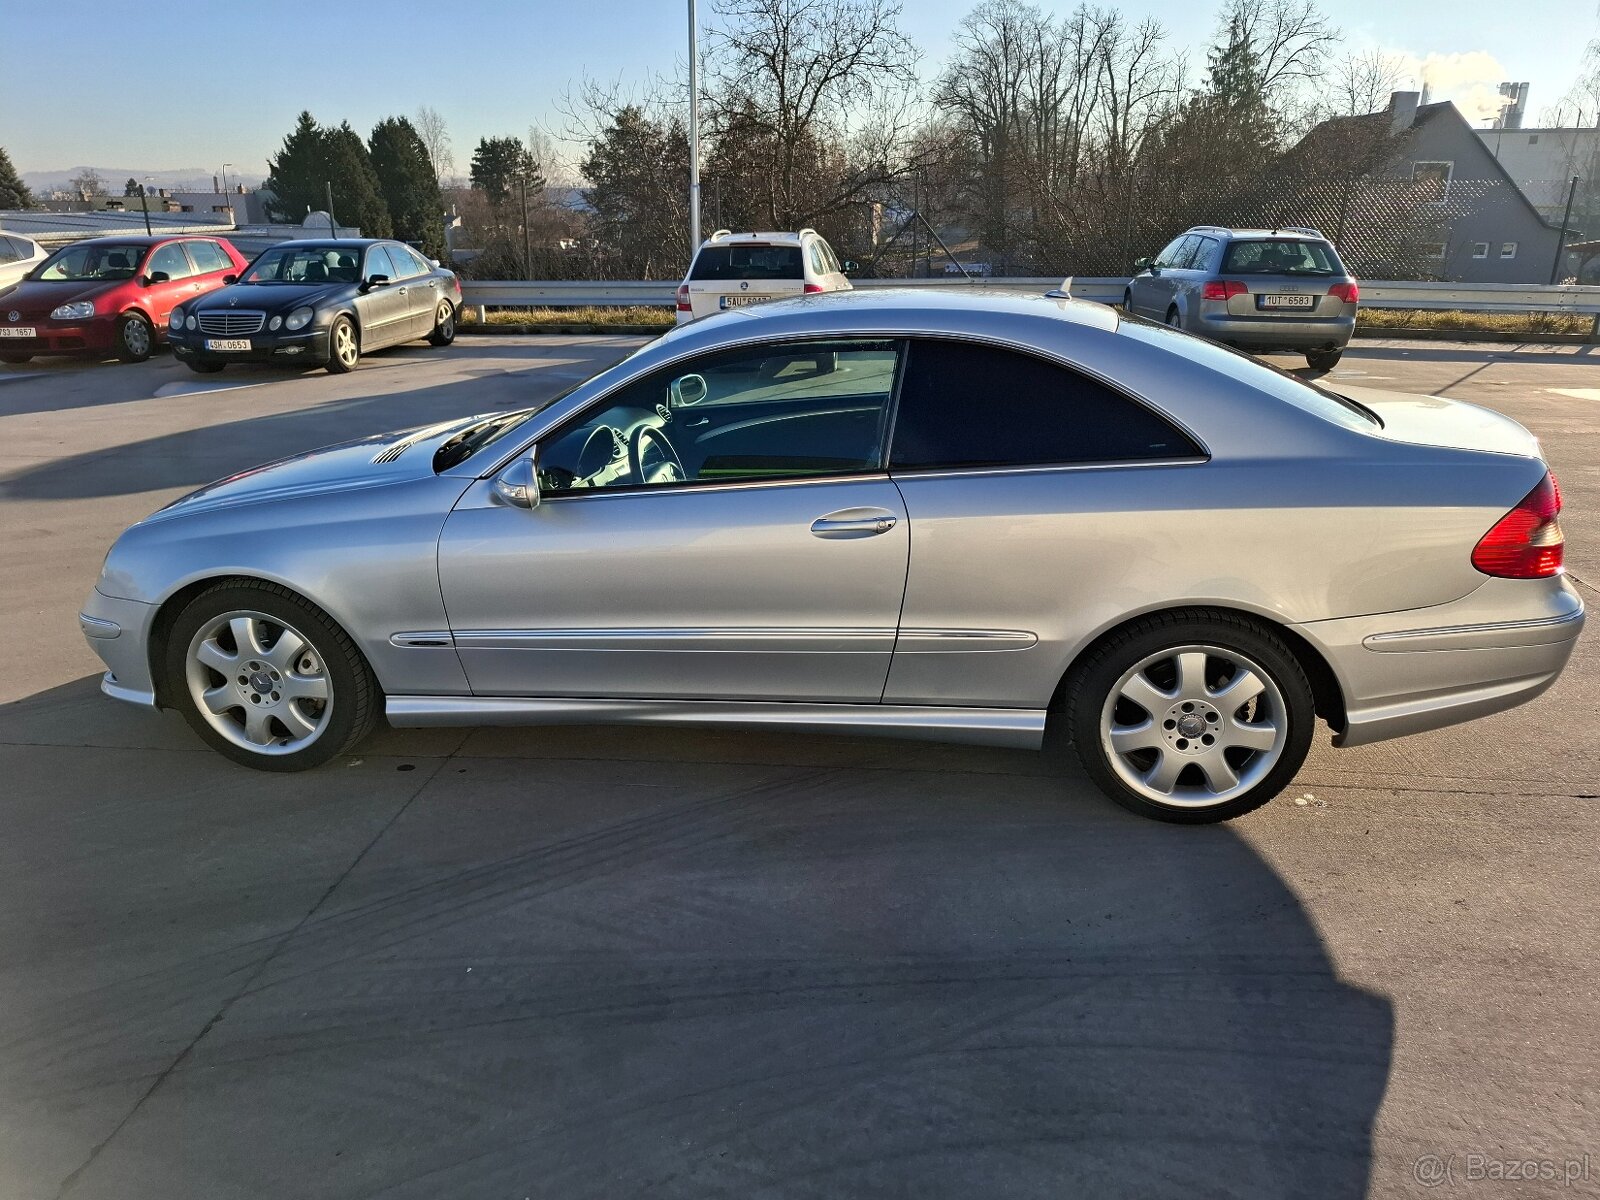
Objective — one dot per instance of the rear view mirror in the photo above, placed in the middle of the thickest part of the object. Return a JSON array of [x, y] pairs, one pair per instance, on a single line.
[[518, 484], [1140, 264], [687, 391], [156, 277], [230, 279], [374, 281], [851, 266]]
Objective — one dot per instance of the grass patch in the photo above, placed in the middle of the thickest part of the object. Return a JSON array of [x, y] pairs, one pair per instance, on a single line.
[[1529, 323], [636, 315]]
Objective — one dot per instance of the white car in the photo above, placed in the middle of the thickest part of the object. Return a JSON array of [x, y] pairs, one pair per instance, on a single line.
[[732, 270], [18, 256]]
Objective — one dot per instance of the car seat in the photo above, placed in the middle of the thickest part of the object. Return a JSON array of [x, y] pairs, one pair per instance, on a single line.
[[345, 270], [316, 271]]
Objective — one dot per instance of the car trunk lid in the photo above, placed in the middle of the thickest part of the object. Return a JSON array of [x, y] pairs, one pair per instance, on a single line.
[[1440, 421]]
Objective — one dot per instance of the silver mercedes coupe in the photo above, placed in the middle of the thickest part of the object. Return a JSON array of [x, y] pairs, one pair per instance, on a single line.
[[942, 515]]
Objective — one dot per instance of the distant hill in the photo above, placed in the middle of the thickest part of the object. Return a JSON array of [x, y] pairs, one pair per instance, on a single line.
[[185, 179]]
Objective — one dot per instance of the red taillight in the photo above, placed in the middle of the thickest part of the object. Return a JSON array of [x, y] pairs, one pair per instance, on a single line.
[[1222, 289], [1348, 292], [813, 288], [683, 298], [1526, 543]]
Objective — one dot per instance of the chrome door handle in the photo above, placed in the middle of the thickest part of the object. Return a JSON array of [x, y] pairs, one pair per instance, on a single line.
[[402, 291], [839, 526]]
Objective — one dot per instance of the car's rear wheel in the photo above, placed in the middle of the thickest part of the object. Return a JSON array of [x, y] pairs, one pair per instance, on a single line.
[[344, 346], [1174, 318], [205, 368], [136, 338], [1323, 360], [15, 360], [1191, 717], [444, 324], [267, 679]]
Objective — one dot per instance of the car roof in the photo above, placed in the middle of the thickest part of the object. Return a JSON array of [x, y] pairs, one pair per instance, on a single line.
[[1283, 234], [136, 239], [332, 241], [785, 236]]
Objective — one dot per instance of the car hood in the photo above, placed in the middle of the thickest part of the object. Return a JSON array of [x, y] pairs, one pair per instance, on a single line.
[[1438, 421], [33, 298], [264, 297], [368, 462]]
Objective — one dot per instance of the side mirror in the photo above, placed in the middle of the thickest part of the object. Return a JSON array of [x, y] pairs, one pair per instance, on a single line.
[[229, 279], [687, 390], [156, 277], [1140, 264], [374, 281], [850, 266], [434, 261], [518, 485]]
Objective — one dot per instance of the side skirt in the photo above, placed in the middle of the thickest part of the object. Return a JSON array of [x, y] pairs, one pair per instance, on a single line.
[[1015, 728]]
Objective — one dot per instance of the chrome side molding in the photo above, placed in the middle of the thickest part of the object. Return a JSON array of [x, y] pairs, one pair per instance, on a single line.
[[1015, 728]]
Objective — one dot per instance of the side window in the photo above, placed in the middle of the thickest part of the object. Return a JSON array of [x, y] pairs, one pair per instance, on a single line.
[[829, 258], [819, 265], [786, 411], [379, 263], [1204, 251], [8, 251], [967, 405], [171, 259], [209, 258], [1177, 250], [405, 263]]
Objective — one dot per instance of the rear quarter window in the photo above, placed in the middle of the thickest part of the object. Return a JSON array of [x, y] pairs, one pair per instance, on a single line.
[[964, 404], [748, 262]]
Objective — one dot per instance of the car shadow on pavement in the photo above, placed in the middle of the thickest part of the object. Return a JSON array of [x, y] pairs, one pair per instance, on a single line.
[[607, 962]]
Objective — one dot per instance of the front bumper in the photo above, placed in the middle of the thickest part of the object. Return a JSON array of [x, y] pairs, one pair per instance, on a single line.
[[1421, 669], [308, 346], [97, 335], [1270, 333], [119, 632]]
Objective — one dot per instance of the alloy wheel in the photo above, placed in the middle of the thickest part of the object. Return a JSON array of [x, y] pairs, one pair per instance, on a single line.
[[344, 343], [259, 683], [1194, 726], [446, 320]]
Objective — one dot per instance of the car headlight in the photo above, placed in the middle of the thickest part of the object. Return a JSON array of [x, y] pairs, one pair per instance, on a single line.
[[298, 319], [192, 323], [275, 322], [76, 311], [175, 321]]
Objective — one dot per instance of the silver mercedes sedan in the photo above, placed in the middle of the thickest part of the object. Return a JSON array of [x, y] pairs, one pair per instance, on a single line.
[[950, 516]]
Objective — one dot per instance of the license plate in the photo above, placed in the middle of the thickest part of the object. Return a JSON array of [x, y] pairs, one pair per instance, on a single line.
[[227, 343], [1288, 302], [26, 331], [741, 301]]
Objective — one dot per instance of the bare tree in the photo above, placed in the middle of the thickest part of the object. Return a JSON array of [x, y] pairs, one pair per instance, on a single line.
[[89, 185], [1362, 81], [435, 136], [1292, 40]]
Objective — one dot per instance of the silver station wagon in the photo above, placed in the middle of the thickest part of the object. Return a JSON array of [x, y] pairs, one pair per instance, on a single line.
[[945, 516]]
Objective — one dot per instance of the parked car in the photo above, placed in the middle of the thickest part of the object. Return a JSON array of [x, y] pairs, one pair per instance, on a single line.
[[1254, 289], [320, 302], [18, 256], [958, 516], [110, 295], [736, 270]]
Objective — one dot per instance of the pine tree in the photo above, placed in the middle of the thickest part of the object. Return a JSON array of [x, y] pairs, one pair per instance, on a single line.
[[502, 163], [13, 192], [297, 176], [357, 199], [408, 183]]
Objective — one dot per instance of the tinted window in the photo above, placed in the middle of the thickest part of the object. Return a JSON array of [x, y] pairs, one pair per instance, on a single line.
[[8, 251], [1281, 256], [1200, 257], [965, 405], [786, 411], [1177, 252], [171, 259], [208, 257], [23, 247], [1279, 384], [749, 261], [379, 263]]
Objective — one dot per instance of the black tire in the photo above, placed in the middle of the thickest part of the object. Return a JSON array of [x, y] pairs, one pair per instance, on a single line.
[[356, 699], [15, 360], [136, 338], [1127, 302], [343, 363], [1090, 686], [1174, 318], [205, 368], [1323, 360], [444, 325]]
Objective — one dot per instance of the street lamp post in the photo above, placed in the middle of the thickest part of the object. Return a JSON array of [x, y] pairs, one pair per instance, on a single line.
[[694, 131], [144, 203], [229, 201]]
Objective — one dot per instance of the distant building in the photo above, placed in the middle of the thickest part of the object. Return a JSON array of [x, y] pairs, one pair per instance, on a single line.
[[1544, 163]]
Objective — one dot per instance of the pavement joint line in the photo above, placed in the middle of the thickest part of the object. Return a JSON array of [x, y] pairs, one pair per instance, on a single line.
[[68, 1183]]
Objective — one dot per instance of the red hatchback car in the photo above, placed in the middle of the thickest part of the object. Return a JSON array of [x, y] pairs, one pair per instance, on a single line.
[[110, 295]]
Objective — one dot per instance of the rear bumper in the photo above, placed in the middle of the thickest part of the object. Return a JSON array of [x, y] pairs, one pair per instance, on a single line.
[[308, 346], [1407, 672], [119, 632], [1266, 333]]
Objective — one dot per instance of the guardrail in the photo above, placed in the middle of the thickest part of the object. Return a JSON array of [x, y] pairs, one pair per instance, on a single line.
[[1375, 293]]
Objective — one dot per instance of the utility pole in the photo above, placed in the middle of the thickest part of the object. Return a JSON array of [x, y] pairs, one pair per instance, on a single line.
[[527, 252], [333, 226], [231, 213], [144, 203], [694, 131], [1561, 238]]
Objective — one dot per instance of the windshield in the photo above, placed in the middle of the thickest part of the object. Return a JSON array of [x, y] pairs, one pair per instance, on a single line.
[[86, 264], [1279, 256], [488, 431], [757, 260], [306, 264]]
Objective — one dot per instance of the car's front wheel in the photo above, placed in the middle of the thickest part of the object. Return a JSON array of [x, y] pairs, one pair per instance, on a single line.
[[344, 346], [1323, 360], [1191, 717], [267, 679], [136, 338], [444, 324]]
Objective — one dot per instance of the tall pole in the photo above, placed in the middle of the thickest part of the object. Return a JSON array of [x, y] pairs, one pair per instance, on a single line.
[[694, 130], [527, 252], [1561, 239], [144, 203], [333, 226]]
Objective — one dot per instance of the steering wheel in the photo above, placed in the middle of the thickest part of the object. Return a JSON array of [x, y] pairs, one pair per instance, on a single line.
[[666, 466]]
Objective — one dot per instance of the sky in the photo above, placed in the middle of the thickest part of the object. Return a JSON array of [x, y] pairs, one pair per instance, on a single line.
[[495, 67]]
